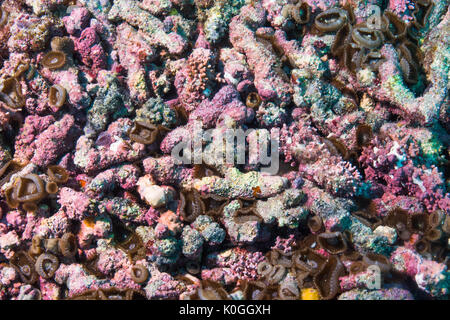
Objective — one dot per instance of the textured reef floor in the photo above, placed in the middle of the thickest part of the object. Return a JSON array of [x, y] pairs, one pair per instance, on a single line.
[[97, 95]]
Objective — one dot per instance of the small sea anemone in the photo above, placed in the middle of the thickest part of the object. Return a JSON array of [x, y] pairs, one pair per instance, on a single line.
[[46, 265], [301, 12], [357, 267], [434, 219], [418, 222], [36, 247], [276, 274], [52, 245], [20, 69], [63, 44], [10, 197], [393, 26], [433, 234], [91, 267], [352, 56], [210, 290], [264, 268], [86, 295], [54, 60], [57, 174], [30, 207], [68, 245], [327, 279], [143, 132], [3, 17], [397, 218], [11, 93], [343, 37], [409, 70], [315, 224], [372, 60], [304, 279], [182, 115], [133, 246], [203, 170], [139, 273], [214, 204], [190, 206], [188, 279], [34, 251], [409, 55], [24, 265], [312, 259], [288, 291], [10, 168], [422, 12], [253, 100], [257, 290], [36, 241], [30, 188], [332, 242], [331, 20], [410, 51], [377, 259], [351, 18], [308, 242], [367, 219], [367, 38], [363, 135], [51, 187], [300, 264], [422, 246], [57, 96], [336, 147], [446, 225], [244, 214], [120, 294], [280, 257], [193, 267]]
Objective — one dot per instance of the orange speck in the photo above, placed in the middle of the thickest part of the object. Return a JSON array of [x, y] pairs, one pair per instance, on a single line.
[[89, 222], [256, 191], [82, 183]]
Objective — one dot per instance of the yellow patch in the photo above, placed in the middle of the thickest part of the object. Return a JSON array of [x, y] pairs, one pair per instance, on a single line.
[[310, 294], [89, 222]]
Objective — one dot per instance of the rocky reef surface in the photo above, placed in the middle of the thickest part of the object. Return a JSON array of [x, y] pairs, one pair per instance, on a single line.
[[96, 97]]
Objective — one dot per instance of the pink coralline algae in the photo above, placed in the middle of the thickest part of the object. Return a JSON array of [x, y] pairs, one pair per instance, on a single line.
[[179, 149], [430, 276], [193, 82], [76, 21], [269, 79], [25, 145], [55, 141], [404, 164], [76, 204], [89, 47]]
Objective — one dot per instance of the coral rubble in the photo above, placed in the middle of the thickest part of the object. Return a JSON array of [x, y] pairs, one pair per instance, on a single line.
[[99, 202]]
